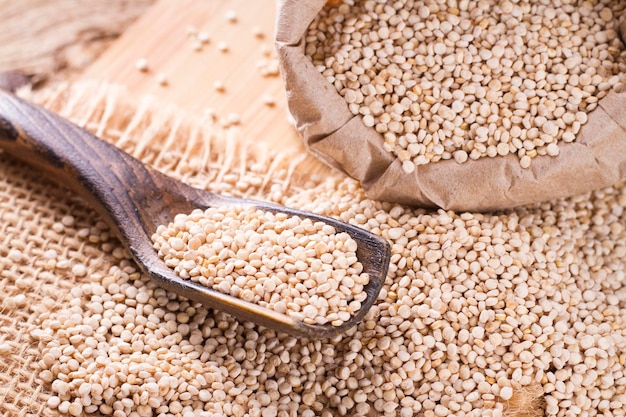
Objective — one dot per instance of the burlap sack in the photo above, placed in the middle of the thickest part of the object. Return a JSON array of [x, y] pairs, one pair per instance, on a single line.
[[333, 134]]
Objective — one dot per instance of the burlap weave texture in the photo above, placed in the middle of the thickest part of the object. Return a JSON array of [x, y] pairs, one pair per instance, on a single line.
[[50, 241]]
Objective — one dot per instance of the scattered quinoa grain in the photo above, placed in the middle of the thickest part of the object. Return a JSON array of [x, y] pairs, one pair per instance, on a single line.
[[68, 221], [142, 64], [219, 86], [268, 67], [525, 161], [15, 255], [79, 270], [53, 402], [258, 32], [552, 149], [162, 79], [506, 393], [233, 118], [5, 348], [268, 100], [231, 16], [203, 37], [196, 45]]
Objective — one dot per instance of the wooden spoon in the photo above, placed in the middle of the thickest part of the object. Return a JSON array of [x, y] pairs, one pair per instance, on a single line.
[[136, 199]]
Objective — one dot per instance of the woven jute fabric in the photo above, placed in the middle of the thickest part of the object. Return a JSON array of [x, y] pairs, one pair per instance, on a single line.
[[61, 266], [46, 244]]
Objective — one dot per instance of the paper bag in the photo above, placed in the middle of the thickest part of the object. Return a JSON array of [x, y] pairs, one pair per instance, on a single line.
[[596, 159]]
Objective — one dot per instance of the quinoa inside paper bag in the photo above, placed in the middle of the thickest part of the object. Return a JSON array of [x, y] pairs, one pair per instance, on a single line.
[[338, 137]]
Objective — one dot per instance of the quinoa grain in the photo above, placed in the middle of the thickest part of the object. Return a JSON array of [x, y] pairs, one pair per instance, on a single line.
[[223, 46], [264, 257], [142, 64], [480, 314], [480, 80]]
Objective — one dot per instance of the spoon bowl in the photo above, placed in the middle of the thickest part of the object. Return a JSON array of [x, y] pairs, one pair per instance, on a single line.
[[135, 199]]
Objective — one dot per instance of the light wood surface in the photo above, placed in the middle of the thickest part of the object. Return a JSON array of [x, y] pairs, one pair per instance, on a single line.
[[164, 37]]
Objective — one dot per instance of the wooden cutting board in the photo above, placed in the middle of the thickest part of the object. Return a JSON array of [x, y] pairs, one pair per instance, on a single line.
[[238, 55]]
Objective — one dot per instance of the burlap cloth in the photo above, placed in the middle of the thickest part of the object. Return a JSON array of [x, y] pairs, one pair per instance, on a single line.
[[50, 241], [39, 219]]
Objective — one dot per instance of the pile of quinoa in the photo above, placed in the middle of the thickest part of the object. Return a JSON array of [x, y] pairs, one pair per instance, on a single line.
[[292, 265], [470, 79], [477, 311]]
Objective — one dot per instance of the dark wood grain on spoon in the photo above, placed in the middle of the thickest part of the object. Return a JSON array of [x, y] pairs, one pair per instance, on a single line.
[[135, 199]]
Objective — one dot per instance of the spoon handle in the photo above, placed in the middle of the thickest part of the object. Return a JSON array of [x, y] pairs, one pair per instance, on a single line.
[[112, 181]]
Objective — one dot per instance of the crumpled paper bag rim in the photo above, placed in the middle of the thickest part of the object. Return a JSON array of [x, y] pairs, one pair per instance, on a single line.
[[596, 159]]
